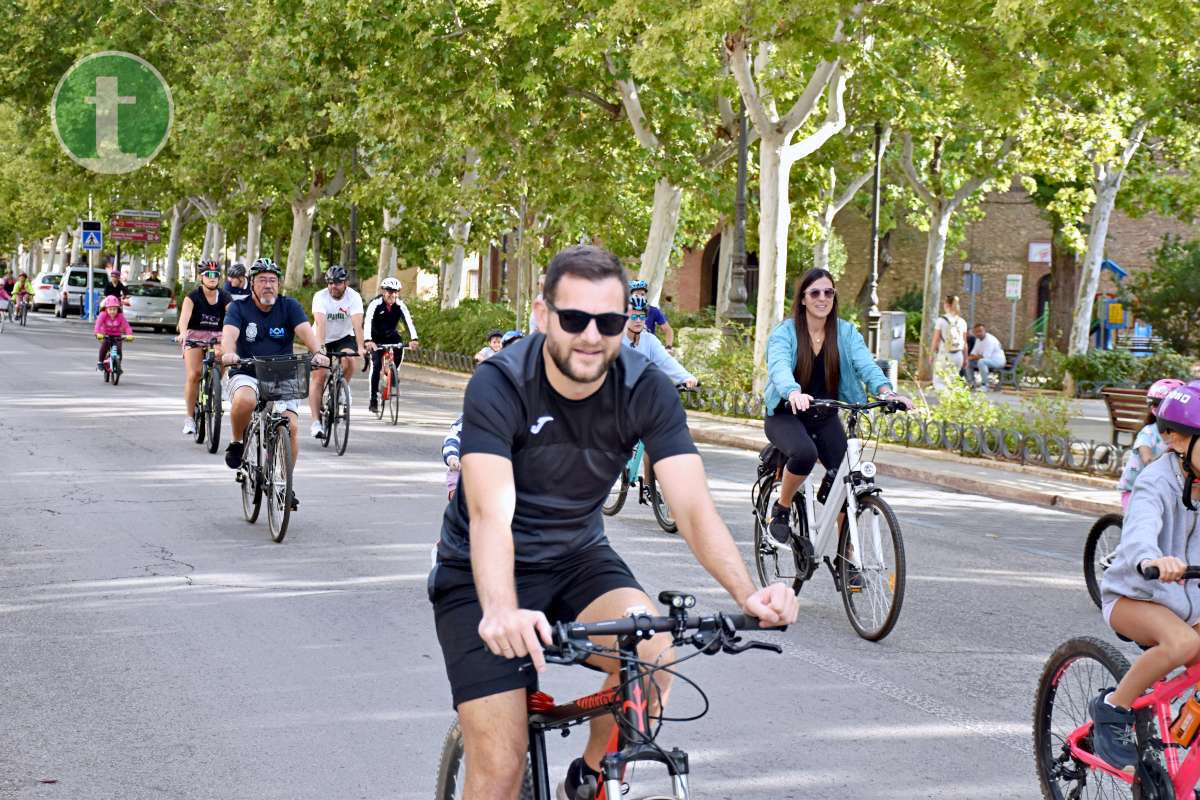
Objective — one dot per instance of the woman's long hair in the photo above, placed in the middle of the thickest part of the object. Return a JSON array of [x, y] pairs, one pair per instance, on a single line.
[[804, 351]]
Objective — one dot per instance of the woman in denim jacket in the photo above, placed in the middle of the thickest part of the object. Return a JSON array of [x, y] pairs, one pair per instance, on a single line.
[[814, 356]]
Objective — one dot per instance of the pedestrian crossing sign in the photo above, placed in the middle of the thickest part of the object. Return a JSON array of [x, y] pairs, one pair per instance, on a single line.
[[93, 237]]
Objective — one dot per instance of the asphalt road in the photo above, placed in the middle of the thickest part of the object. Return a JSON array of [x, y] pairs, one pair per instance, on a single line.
[[155, 645]]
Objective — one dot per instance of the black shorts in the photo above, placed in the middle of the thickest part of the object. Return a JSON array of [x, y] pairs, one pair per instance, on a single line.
[[561, 591], [344, 343]]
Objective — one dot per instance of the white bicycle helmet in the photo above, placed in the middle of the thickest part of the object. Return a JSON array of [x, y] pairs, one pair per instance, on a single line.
[[390, 283]]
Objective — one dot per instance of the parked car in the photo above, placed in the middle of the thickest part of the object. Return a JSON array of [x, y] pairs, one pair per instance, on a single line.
[[73, 286], [151, 303], [45, 290]]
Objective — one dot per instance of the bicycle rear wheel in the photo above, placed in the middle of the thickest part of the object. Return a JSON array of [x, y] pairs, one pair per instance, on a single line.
[[451, 780], [116, 371], [658, 503], [339, 431], [1102, 540], [328, 407], [385, 386], [616, 495], [212, 409], [395, 396], [198, 420], [279, 484], [1073, 675], [873, 592], [252, 472]]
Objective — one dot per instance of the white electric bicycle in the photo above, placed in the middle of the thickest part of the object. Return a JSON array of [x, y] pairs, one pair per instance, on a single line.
[[843, 522]]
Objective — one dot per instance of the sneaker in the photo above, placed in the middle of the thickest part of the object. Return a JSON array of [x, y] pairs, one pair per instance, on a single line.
[[189, 427], [317, 429], [233, 455], [781, 527], [374, 407], [1112, 733], [581, 782], [295, 502], [101, 366]]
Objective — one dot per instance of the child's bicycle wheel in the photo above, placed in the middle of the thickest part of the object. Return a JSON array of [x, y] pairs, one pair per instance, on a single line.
[[1102, 541], [1073, 675]]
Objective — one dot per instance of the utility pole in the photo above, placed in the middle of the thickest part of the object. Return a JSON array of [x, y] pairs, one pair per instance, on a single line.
[[873, 316], [737, 311]]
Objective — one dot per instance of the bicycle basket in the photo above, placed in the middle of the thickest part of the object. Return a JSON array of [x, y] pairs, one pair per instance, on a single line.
[[282, 377]]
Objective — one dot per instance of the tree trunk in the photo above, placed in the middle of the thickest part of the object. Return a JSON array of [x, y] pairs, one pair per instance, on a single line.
[[75, 241], [460, 231], [820, 251], [724, 273], [135, 266], [316, 256], [35, 265], [935, 257], [387, 250], [1064, 285], [277, 249], [174, 243], [774, 219], [660, 242], [218, 247], [253, 235], [302, 225], [1098, 220]]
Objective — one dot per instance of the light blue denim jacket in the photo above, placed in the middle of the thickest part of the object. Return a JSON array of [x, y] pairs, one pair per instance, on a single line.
[[856, 365]]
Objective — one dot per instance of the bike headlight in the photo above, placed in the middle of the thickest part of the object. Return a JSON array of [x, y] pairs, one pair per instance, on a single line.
[[867, 468]]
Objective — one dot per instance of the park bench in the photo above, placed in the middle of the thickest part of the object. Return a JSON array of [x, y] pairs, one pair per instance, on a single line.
[[1126, 411], [1010, 373], [1139, 345]]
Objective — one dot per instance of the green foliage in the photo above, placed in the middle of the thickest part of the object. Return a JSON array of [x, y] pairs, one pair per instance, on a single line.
[[909, 302], [704, 318], [458, 330], [731, 367], [1168, 295], [1048, 372], [1047, 415], [1166, 363], [1103, 366]]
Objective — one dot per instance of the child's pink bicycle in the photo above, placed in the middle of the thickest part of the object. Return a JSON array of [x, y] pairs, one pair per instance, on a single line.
[[1062, 727]]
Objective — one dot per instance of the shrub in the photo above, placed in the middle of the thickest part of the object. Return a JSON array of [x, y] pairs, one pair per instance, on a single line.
[[1103, 367], [1166, 363], [1037, 414], [1047, 372], [1168, 294], [704, 318], [458, 330], [731, 367]]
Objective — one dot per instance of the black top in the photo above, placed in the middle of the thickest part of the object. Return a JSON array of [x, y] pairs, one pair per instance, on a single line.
[[264, 334], [235, 292], [116, 290], [566, 454], [207, 316]]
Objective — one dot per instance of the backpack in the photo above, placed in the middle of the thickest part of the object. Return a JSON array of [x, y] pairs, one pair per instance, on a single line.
[[956, 334]]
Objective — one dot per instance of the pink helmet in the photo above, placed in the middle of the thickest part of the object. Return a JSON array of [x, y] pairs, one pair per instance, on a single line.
[[1161, 388], [111, 301]]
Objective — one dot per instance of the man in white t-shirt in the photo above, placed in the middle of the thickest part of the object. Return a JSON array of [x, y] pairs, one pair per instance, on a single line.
[[338, 318], [986, 355], [533, 325]]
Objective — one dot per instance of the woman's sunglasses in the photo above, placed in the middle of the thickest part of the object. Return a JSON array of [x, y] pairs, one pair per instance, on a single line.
[[638, 317], [574, 321], [816, 294], [210, 274]]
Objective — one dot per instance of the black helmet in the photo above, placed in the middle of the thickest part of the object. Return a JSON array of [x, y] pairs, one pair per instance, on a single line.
[[493, 333], [262, 265], [236, 271], [336, 274]]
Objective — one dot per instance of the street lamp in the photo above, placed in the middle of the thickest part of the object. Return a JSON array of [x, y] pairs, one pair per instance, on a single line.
[[873, 316], [736, 310]]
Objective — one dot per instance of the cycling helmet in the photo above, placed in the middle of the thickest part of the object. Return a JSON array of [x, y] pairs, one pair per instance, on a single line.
[[510, 337], [116, 273], [336, 274], [264, 265], [207, 265], [1161, 388], [236, 271], [390, 283], [638, 285], [638, 303], [1180, 412], [110, 301], [493, 333]]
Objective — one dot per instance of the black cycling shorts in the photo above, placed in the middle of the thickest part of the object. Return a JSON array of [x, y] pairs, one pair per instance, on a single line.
[[344, 343], [561, 590]]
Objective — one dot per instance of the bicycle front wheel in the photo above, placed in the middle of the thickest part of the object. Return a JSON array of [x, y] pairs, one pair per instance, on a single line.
[[658, 503], [279, 484], [394, 402], [213, 408], [328, 406], [872, 591], [116, 371], [776, 563], [339, 431], [252, 473], [1075, 673], [452, 770], [198, 420], [1102, 541], [385, 387], [616, 495]]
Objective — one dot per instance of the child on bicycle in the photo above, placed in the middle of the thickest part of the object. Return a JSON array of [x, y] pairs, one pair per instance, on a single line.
[[1148, 445], [1162, 615], [111, 322], [491, 348], [450, 454]]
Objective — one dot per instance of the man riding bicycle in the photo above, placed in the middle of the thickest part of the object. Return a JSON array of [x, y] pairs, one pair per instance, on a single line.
[[236, 285], [649, 345], [547, 426], [200, 320], [338, 318], [264, 324], [383, 318]]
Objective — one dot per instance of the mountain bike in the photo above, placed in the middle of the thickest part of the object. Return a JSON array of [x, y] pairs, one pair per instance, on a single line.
[[855, 533], [1102, 541], [634, 739], [267, 453], [648, 491], [389, 381], [1068, 768], [22, 309], [112, 362], [206, 413], [335, 403]]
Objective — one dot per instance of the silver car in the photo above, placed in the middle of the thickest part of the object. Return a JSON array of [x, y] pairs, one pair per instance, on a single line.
[[151, 304], [45, 290]]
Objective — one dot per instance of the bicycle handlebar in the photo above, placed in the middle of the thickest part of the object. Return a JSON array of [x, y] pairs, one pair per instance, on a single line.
[[889, 406], [1191, 573]]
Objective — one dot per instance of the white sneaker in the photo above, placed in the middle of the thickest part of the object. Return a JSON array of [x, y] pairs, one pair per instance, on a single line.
[[317, 430], [189, 427], [349, 397]]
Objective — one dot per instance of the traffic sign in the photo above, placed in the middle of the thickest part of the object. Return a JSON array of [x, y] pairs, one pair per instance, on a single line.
[[93, 236], [1012, 287], [972, 283], [134, 224], [126, 235], [131, 212]]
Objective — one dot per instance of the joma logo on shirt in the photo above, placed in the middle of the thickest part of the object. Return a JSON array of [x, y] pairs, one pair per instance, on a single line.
[[536, 428]]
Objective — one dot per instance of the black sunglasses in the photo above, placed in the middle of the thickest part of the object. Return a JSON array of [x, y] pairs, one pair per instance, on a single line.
[[828, 294], [575, 321]]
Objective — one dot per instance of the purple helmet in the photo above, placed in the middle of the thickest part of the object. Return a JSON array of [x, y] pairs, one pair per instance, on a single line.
[[1180, 411]]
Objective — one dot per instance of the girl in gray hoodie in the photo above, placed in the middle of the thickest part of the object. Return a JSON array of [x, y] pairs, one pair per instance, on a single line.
[[1162, 529]]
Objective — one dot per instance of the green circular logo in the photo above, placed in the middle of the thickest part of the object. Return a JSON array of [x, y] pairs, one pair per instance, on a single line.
[[112, 112]]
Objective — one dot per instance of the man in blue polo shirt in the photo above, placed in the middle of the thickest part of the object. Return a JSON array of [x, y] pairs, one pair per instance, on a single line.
[[655, 318]]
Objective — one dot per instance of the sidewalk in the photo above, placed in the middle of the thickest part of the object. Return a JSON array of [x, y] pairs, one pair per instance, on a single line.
[[997, 479]]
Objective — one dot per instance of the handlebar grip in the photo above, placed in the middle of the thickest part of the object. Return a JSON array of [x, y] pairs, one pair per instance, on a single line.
[[746, 622], [1149, 573]]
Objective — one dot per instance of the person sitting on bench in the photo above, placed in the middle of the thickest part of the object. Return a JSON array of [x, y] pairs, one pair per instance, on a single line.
[[987, 354]]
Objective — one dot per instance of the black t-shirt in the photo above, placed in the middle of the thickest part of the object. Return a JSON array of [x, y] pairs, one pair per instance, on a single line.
[[566, 454], [116, 290], [237, 293], [817, 387], [207, 316], [269, 333]]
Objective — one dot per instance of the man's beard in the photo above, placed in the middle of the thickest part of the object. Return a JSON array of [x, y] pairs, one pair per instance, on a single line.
[[267, 301], [337, 295], [561, 355]]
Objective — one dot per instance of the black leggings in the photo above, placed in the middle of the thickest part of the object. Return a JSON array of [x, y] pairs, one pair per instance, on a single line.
[[804, 439], [376, 367]]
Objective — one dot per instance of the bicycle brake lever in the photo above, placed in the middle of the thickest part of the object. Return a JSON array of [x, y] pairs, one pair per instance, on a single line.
[[734, 648]]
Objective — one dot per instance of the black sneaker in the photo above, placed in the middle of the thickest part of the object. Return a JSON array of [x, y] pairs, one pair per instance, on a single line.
[[233, 455], [1112, 732], [580, 784], [374, 407], [295, 502], [781, 526]]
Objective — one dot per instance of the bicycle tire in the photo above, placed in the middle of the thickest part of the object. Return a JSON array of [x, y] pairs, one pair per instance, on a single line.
[[341, 420], [658, 504], [116, 372], [616, 495], [766, 551], [279, 483], [875, 579], [213, 411], [327, 411], [385, 383], [395, 396], [198, 420], [1109, 666], [252, 473], [451, 773], [1096, 537]]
